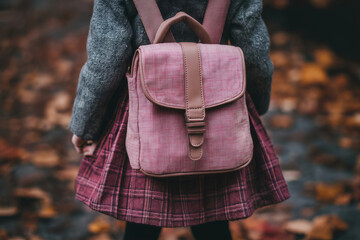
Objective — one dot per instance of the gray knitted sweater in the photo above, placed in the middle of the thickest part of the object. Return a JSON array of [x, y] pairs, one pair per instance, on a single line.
[[116, 31]]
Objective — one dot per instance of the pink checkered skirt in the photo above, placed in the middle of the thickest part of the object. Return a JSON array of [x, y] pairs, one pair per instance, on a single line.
[[107, 183]]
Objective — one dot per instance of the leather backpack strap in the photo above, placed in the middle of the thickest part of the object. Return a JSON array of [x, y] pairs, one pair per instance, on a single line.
[[151, 18], [215, 17]]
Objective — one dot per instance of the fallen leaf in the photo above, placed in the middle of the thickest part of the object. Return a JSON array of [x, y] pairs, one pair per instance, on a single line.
[[346, 142], [257, 228], [279, 59], [47, 212], [353, 121], [30, 223], [289, 104], [341, 81], [324, 57], [309, 106], [237, 230], [102, 236], [280, 38], [321, 232], [121, 224], [343, 199], [69, 173], [325, 226], [320, 3], [328, 192], [33, 237], [312, 73], [280, 4], [253, 227], [299, 226], [58, 111], [9, 152], [294, 75], [325, 159], [64, 67], [355, 184], [45, 158], [29, 88], [8, 211], [99, 225], [307, 212], [3, 234], [281, 121], [291, 175], [33, 193], [335, 119]]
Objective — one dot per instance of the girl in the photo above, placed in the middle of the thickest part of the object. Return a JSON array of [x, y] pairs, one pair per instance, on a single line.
[[108, 184]]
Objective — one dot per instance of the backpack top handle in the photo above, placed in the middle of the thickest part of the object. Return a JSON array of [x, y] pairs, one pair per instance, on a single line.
[[190, 21], [214, 18]]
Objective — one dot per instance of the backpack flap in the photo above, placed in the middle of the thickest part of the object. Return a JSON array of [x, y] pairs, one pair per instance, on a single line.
[[162, 74]]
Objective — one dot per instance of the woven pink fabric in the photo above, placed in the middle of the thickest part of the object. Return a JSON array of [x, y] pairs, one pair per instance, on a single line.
[[156, 140]]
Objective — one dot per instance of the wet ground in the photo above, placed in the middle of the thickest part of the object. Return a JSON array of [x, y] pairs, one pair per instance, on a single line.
[[314, 122]]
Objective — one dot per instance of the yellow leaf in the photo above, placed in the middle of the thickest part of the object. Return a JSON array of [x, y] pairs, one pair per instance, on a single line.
[[299, 226], [325, 226], [45, 158], [99, 225], [324, 57], [47, 212], [328, 192], [281, 121], [8, 211], [312, 73]]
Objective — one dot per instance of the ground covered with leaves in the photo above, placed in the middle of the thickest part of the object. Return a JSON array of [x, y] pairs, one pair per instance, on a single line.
[[314, 121]]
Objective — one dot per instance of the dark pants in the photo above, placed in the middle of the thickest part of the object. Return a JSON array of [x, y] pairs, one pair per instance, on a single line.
[[207, 231]]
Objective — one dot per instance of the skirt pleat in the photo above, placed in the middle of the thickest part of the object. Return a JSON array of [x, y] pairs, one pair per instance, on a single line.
[[107, 183]]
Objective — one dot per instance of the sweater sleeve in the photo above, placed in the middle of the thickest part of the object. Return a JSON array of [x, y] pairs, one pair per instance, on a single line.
[[249, 32], [109, 51]]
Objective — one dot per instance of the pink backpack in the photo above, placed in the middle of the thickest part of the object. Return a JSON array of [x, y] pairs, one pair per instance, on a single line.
[[187, 106]]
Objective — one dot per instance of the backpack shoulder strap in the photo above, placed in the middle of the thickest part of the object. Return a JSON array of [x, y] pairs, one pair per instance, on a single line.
[[214, 19], [151, 18]]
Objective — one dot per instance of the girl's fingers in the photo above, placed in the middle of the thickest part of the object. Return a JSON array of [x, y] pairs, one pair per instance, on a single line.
[[82, 146], [79, 149], [78, 143], [89, 149]]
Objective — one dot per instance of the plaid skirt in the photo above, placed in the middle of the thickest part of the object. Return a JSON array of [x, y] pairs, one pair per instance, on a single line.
[[107, 183]]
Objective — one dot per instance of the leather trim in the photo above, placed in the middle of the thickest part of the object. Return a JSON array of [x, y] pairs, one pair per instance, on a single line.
[[137, 52], [194, 96], [196, 140], [194, 99], [198, 172], [160, 103]]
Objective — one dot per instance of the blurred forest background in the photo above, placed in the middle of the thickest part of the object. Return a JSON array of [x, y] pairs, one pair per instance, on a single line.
[[314, 121]]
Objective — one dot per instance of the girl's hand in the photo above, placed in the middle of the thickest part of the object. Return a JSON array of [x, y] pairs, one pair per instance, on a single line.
[[84, 147]]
